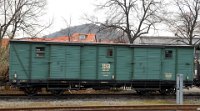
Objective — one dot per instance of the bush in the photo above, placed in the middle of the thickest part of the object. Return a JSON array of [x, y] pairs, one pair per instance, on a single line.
[[4, 52]]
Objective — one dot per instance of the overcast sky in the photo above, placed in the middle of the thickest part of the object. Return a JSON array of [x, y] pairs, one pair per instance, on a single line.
[[58, 10]]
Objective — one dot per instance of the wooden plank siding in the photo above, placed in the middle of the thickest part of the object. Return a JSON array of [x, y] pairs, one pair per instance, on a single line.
[[99, 62]]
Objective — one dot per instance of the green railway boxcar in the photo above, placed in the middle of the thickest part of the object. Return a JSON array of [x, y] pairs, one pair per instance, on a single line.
[[60, 66]]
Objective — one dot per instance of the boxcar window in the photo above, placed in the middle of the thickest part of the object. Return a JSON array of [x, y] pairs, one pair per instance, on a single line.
[[109, 53], [40, 51], [168, 54]]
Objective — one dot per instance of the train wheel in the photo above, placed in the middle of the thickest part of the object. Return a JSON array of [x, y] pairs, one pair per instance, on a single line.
[[57, 92], [172, 91], [143, 92], [165, 91], [139, 92], [30, 91]]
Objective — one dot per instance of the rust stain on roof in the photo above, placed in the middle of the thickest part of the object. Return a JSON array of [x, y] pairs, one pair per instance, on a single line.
[[76, 37]]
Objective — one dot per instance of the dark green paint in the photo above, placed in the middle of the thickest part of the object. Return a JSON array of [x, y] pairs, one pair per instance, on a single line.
[[91, 62]]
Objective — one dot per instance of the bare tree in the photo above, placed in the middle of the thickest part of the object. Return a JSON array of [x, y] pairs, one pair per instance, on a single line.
[[184, 21], [20, 15], [119, 40], [132, 17], [68, 31]]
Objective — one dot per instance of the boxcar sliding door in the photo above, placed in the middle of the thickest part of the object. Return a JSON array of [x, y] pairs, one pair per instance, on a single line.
[[65, 62], [105, 63], [57, 62], [169, 64], [147, 63]]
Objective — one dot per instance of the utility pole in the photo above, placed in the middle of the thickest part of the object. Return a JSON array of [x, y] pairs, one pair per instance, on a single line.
[[179, 89]]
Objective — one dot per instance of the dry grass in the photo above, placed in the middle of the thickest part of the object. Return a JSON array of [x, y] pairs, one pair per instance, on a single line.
[[3, 62]]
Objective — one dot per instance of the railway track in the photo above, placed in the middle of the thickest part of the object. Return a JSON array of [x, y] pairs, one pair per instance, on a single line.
[[112, 108], [195, 92], [94, 96]]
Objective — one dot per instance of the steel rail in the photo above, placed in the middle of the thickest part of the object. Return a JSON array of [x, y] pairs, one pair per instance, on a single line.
[[112, 108]]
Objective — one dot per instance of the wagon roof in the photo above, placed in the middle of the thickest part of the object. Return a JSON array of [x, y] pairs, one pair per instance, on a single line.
[[109, 44]]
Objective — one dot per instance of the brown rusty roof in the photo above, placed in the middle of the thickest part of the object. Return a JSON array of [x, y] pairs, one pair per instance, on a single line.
[[76, 37]]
